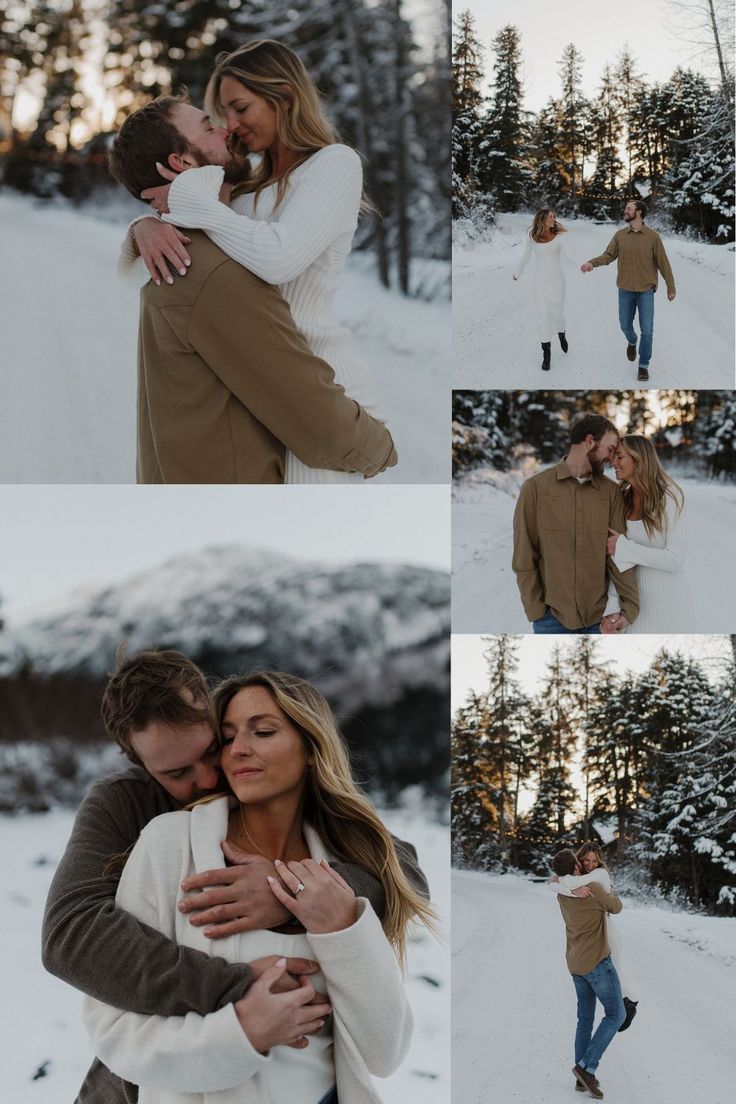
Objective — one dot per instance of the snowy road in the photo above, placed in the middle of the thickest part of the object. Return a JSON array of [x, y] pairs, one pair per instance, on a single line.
[[494, 321], [42, 1026], [69, 354], [514, 1002], [485, 597]]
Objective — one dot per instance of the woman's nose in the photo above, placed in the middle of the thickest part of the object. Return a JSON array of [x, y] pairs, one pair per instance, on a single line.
[[241, 745]]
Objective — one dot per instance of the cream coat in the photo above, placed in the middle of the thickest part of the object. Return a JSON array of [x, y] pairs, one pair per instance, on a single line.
[[196, 1059]]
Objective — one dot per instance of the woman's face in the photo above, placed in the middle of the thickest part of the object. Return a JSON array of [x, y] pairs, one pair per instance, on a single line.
[[263, 755], [249, 116], [550, 220], [589, 862], [623, 464]]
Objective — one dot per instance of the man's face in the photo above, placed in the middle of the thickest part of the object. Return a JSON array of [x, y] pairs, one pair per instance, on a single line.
[[185, 761], [630, 212], [601, 453], [208, 143]]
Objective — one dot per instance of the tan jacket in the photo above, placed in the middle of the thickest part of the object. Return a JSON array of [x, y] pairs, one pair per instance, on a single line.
[[226, 384], [640, 254], [560, 532], [585, 923]]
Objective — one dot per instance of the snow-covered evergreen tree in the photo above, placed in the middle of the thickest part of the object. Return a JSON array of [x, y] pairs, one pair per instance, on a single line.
[[503, 168]]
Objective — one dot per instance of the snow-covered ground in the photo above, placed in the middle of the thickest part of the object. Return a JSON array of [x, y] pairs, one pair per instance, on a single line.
[[485, 597], [513, 1019], [69, 354], [494, 319], [46, 1048]]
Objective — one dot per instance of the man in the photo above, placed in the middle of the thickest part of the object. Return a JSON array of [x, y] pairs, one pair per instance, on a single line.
[[561, 526], [226, 383], [593, 973], [640, 253], [155, 706]]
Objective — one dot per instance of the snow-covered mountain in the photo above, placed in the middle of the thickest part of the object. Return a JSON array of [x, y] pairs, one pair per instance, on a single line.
[[368, 630], [374, 638]]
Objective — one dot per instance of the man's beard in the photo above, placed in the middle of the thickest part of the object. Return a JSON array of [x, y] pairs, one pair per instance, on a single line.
[[597, 466], [237, 167]]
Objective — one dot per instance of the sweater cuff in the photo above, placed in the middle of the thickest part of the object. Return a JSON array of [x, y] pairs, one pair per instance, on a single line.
[[192, 195], [622, 557], [132, 269], [234, 1037], [330, 947]]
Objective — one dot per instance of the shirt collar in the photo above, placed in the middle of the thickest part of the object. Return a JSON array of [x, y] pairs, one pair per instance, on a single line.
[[563, 472]]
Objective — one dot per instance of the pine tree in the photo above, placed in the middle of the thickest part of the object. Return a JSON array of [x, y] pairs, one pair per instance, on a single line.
[[502, 168], [573, 120], [474, 815], [607, 129], [467, 102]]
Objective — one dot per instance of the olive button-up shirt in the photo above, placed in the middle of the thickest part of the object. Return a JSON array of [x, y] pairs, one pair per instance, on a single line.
[[640, 255], [560, 532]]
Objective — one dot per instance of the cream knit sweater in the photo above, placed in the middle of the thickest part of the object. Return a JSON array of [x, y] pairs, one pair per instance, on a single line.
[[196, 1059], [302, 246]]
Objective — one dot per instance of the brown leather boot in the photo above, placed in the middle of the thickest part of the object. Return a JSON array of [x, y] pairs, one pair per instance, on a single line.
[[588, 1081]]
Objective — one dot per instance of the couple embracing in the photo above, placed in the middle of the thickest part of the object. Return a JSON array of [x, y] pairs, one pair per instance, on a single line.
[[594, 556], [639, 255], [583, 887], [244, 375], [231, 904]]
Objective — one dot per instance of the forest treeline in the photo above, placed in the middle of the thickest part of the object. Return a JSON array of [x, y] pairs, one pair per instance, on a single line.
[[669, 142], [388, 98], [501, 428], [650, 756]]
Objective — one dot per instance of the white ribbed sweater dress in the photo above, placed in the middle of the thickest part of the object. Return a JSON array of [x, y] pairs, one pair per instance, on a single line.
[[302, 247], [549, 284], [665, 599]]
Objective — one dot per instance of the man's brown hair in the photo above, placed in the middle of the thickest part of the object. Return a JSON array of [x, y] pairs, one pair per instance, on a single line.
[[564, 862], [640, 206], [163, 686], [594, 424], [146, 136]]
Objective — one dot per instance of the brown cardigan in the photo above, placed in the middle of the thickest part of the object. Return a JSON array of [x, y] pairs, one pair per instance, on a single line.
[[226, 384]]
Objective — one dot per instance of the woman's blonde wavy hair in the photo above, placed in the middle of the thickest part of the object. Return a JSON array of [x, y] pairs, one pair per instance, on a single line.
[[586, 848], [655, 484], [334, 806], [277, 74], [537, 229]]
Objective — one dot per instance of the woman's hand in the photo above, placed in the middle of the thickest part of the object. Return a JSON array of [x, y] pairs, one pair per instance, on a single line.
[[159, 196], [319, 898], [272, 1019], [581, 891], [611, 542], [161, 245]]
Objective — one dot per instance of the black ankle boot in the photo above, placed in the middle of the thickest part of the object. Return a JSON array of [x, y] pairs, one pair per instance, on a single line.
[[563, 341], [546, 353]]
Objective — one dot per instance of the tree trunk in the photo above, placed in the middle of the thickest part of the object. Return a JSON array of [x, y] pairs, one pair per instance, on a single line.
[[402, 155]]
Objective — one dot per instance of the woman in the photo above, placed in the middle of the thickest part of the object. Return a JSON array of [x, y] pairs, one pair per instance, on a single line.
[[590, 858], [292, 220], [545, 243], [654, 538], [293, 800]]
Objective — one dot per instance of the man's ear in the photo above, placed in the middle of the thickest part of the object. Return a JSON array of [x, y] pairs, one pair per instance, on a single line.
[[178, 162]]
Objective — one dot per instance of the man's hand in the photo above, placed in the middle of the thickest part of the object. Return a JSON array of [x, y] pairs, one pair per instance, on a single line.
[[587, 267], [272, 1019], [614, 623], [581, 891], [241, 900], [317, 895], [612, 542], [671, 295]]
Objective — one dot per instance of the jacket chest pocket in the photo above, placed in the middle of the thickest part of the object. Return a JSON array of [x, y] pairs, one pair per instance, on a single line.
[[555, 512]]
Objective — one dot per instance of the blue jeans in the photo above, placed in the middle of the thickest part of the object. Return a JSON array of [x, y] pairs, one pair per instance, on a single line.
[[550, 624], [628, 304], [601, 983]]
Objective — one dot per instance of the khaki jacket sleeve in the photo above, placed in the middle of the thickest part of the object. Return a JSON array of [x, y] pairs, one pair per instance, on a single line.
[[625, 582], [265, 362], [663, 264], [609, 902], [610, 254], [525, 562]]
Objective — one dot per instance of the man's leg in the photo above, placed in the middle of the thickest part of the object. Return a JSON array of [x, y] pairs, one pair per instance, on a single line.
[[626, 309], [586, 1016], [645, 303], [603, 980]]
